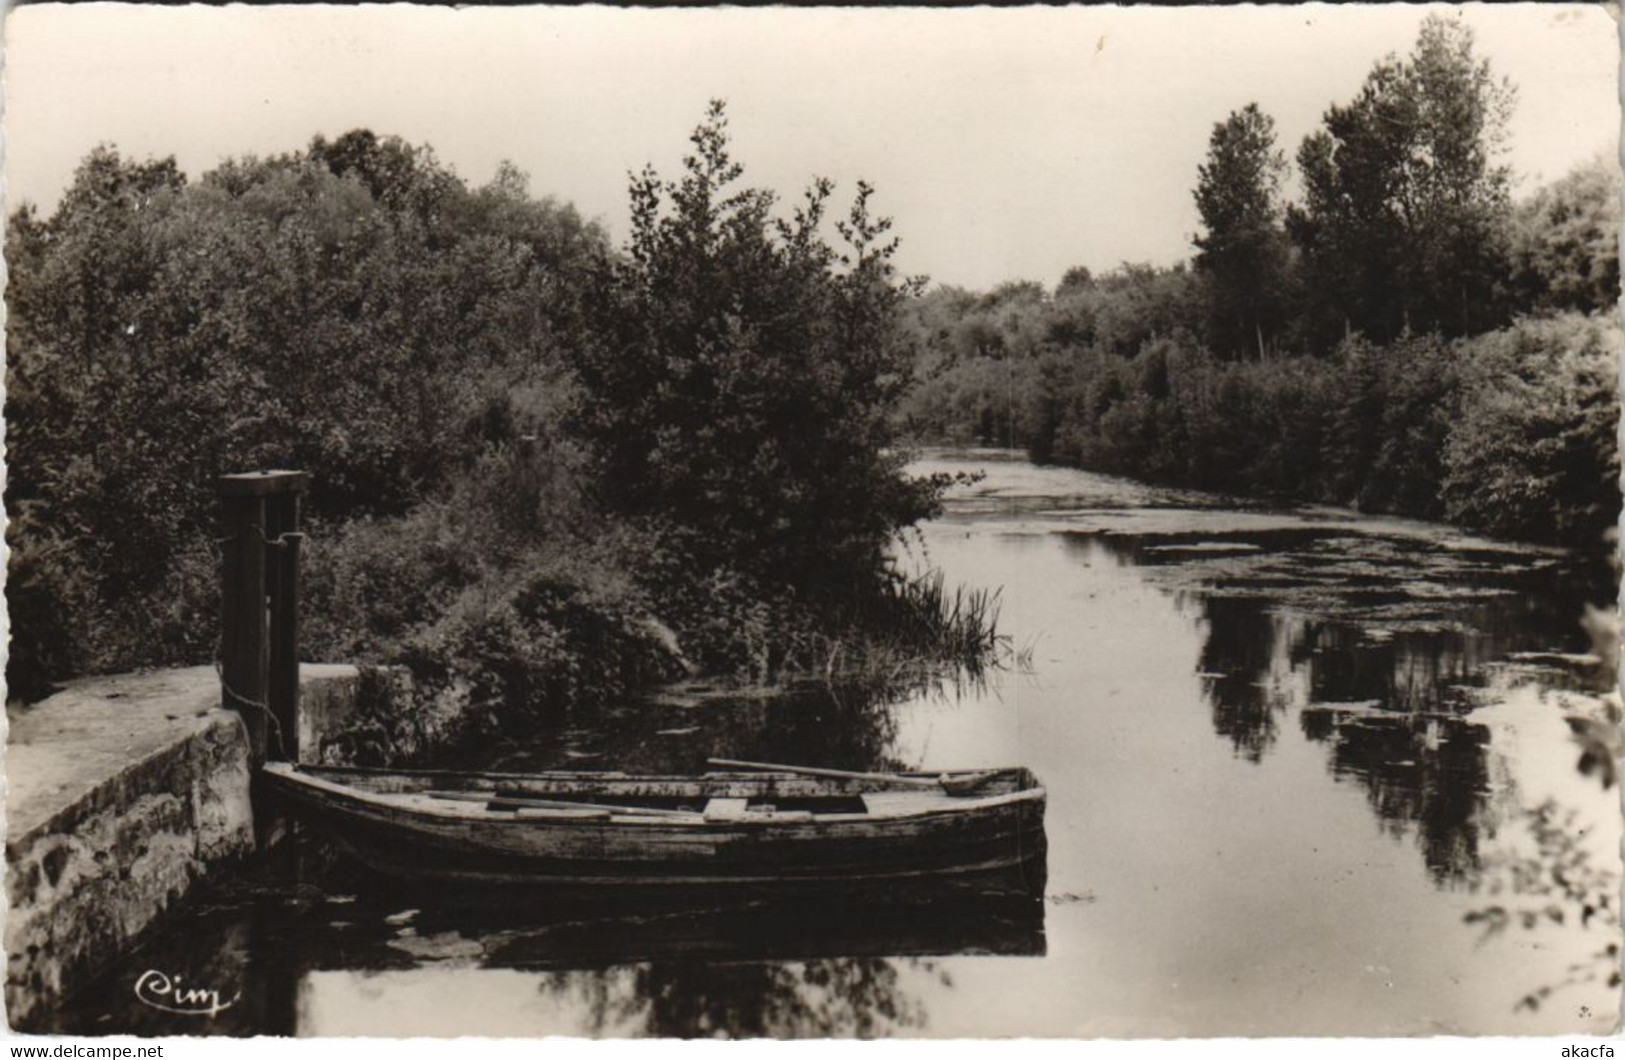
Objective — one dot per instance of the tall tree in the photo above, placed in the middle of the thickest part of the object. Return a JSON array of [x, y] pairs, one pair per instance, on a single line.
[[743, 374], [1243, 250], [1405, 206]]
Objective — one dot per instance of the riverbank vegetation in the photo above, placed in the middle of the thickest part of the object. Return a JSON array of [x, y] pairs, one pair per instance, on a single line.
[[545, 470], [1404, 336]]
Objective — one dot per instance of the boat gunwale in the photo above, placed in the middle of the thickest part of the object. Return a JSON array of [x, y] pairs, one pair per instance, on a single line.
[[590, 776], [424, 806]]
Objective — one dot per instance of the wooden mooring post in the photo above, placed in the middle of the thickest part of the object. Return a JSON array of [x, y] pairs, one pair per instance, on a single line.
[[259, 606]]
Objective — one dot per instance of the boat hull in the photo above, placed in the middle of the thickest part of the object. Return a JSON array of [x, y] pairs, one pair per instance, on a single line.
[[999, 835]]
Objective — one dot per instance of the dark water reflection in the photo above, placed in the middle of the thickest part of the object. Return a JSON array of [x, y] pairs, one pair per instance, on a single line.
[[1384, 648], [1242, 646], [307, 926], [1281, 749], [838, 997], [1430, 772], [840, 726]]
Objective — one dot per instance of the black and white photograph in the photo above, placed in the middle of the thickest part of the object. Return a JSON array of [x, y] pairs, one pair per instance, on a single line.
[[1071, 522]]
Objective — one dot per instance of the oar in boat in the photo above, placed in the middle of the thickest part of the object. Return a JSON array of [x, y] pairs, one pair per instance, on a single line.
[[527, 803], [952, 785]]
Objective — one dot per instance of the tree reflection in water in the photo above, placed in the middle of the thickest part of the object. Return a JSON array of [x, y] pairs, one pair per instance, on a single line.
[[840, 997], [1240, 653], [1383, 648], [1423, 770], [1391, 711]]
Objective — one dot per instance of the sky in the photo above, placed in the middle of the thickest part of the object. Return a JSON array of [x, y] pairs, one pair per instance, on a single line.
[[1006, 143]]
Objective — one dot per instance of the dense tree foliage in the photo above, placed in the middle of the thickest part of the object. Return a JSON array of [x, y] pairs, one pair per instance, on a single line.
[[1533, 451], [1565, 242], [276, 313], [1414, 343], [544, 470], [743, 371], [1511, 431], [1403, 218], [531, 449]]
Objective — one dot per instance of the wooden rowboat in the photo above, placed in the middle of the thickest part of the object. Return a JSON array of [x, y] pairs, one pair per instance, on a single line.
[[750, 829]]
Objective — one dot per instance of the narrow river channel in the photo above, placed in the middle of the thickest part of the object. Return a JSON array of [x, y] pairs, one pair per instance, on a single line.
[[1294, 763]]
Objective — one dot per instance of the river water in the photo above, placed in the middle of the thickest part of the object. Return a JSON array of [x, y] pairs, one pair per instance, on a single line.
[[1309, 773]]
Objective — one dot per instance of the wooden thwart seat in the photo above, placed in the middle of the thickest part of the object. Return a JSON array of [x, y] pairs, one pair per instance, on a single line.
[[726, 809]]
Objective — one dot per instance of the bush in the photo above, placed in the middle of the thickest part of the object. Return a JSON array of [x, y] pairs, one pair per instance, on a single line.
[[381, 333], [509, 604], [1534, 451], [741, 378]]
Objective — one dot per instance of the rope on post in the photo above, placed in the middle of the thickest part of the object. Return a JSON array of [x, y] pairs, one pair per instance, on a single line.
[[280, 542], [275, 726], [257, 654]]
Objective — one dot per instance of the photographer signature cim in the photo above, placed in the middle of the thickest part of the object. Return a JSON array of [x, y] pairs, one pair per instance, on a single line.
[[167, 994]]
